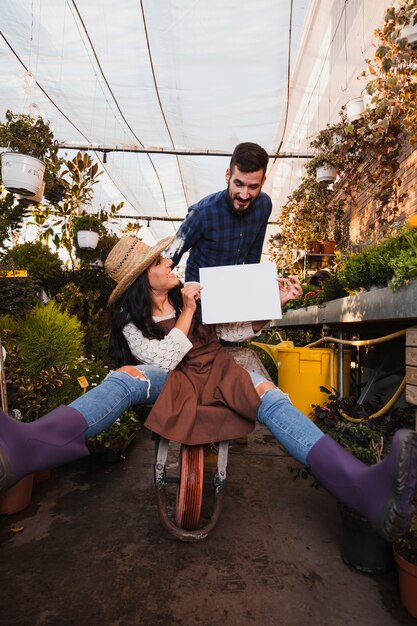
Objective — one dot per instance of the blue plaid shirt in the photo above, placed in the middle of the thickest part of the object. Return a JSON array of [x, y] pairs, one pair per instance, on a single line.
[[217, 236]]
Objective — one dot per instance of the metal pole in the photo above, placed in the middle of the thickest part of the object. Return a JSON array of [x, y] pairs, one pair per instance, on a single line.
[[341, 366], [106, 149], [3, 382]]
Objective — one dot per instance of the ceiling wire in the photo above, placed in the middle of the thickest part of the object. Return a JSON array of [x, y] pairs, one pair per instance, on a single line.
[[115, 99], [159, 97], [42, 89], [54, 104], [287, 103]]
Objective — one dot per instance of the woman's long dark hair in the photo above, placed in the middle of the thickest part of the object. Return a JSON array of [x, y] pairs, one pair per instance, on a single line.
[[135, 306]]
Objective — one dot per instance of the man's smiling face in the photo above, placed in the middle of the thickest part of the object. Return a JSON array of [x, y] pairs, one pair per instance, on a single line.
[[243, 188]]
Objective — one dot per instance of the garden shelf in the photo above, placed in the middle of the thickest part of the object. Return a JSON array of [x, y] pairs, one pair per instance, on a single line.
[[379, 306]]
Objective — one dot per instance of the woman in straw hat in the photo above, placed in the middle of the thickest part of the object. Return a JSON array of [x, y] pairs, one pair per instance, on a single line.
[[196, 389]]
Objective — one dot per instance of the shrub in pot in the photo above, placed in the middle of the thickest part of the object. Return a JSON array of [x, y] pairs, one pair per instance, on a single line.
[[368, 439], [49, 337]]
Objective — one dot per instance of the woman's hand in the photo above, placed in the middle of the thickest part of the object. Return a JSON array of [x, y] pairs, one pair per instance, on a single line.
[[190, 294], [289, 289]]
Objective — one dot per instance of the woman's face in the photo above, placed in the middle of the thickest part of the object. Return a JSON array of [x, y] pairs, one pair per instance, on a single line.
[[160, 275]]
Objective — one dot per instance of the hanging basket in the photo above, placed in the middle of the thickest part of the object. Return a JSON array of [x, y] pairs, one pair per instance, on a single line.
[[326, 173], [354, 109], [36, 198], [87, 239], [21, 173], [410, 31]]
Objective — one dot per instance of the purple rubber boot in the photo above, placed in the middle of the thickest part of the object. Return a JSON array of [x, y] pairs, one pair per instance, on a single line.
[[52, 440], [382, 492]]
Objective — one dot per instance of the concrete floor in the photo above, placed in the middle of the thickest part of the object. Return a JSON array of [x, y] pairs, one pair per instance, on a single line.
[[92, 552]]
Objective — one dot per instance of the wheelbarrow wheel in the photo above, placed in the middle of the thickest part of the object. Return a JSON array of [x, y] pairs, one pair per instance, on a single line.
[[190, 488]]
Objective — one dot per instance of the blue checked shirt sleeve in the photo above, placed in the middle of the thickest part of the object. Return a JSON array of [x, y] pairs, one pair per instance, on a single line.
[[188, 234]]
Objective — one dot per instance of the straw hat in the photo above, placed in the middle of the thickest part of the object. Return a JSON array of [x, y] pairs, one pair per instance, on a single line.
[[128, 259]]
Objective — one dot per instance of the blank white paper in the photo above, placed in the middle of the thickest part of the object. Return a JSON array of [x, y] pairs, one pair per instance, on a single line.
[[239, 293]]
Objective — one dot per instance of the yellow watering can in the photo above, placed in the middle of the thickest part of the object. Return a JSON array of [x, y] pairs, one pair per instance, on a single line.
[[301, 371]]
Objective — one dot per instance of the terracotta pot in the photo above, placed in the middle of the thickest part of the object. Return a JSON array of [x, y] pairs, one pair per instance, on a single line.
[[407, 578], [41, 476], [328, 247], [314, 247], [17, 497]]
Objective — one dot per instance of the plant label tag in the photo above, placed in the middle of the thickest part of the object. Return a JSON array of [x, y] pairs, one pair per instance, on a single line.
[[83, 382]]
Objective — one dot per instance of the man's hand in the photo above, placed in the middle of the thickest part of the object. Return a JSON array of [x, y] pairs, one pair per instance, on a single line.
[[289, 289]]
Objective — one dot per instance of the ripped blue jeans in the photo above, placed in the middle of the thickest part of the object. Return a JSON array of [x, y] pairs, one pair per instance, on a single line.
[[103, 404]]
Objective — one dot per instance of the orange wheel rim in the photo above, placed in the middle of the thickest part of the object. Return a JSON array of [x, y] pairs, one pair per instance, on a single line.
[[190, 488]]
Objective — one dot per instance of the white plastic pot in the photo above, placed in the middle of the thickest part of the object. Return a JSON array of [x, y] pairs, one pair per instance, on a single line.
[[326, 173], [354, 109], [87, 239], [36, 198], [410, 31], [21, 173]]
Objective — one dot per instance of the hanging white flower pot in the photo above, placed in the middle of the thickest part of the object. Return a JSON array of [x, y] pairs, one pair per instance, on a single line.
[[87, 239], [410, 31], [21, 173], [326, 173], [354, 109], [35, 198]]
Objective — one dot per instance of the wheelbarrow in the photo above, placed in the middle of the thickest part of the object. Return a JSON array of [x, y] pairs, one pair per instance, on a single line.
[[191, 480]]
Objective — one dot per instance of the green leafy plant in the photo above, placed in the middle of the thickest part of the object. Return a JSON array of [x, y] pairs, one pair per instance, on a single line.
[[41, 263], [368, 440], [18, 296], [404, 265], [87, 221], [120, 431], [32, 135], [49, 337], [12, 212], [26, 394], [27, 397]]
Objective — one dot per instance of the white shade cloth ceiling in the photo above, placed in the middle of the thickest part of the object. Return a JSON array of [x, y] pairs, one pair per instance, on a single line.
[[183, 75]]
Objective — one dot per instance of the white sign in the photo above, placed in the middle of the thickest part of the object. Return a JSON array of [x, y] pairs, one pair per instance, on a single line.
[[239, 293]]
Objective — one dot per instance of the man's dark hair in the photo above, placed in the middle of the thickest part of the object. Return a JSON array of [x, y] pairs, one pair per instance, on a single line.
[[249, 157]]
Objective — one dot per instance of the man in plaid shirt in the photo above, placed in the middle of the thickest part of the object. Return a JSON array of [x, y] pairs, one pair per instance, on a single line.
[[227, 227]]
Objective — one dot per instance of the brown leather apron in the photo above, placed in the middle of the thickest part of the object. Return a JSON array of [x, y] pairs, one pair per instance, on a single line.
[[208, 397]]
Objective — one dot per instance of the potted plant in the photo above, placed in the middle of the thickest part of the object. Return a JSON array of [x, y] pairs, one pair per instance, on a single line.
[[30, 149], [354, 109], [324, 165], [87, 229], [369, 440], [111, 444], [405, 555]]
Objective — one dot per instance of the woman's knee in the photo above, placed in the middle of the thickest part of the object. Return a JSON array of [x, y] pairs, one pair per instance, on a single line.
[[264, 387], [132, 371]]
